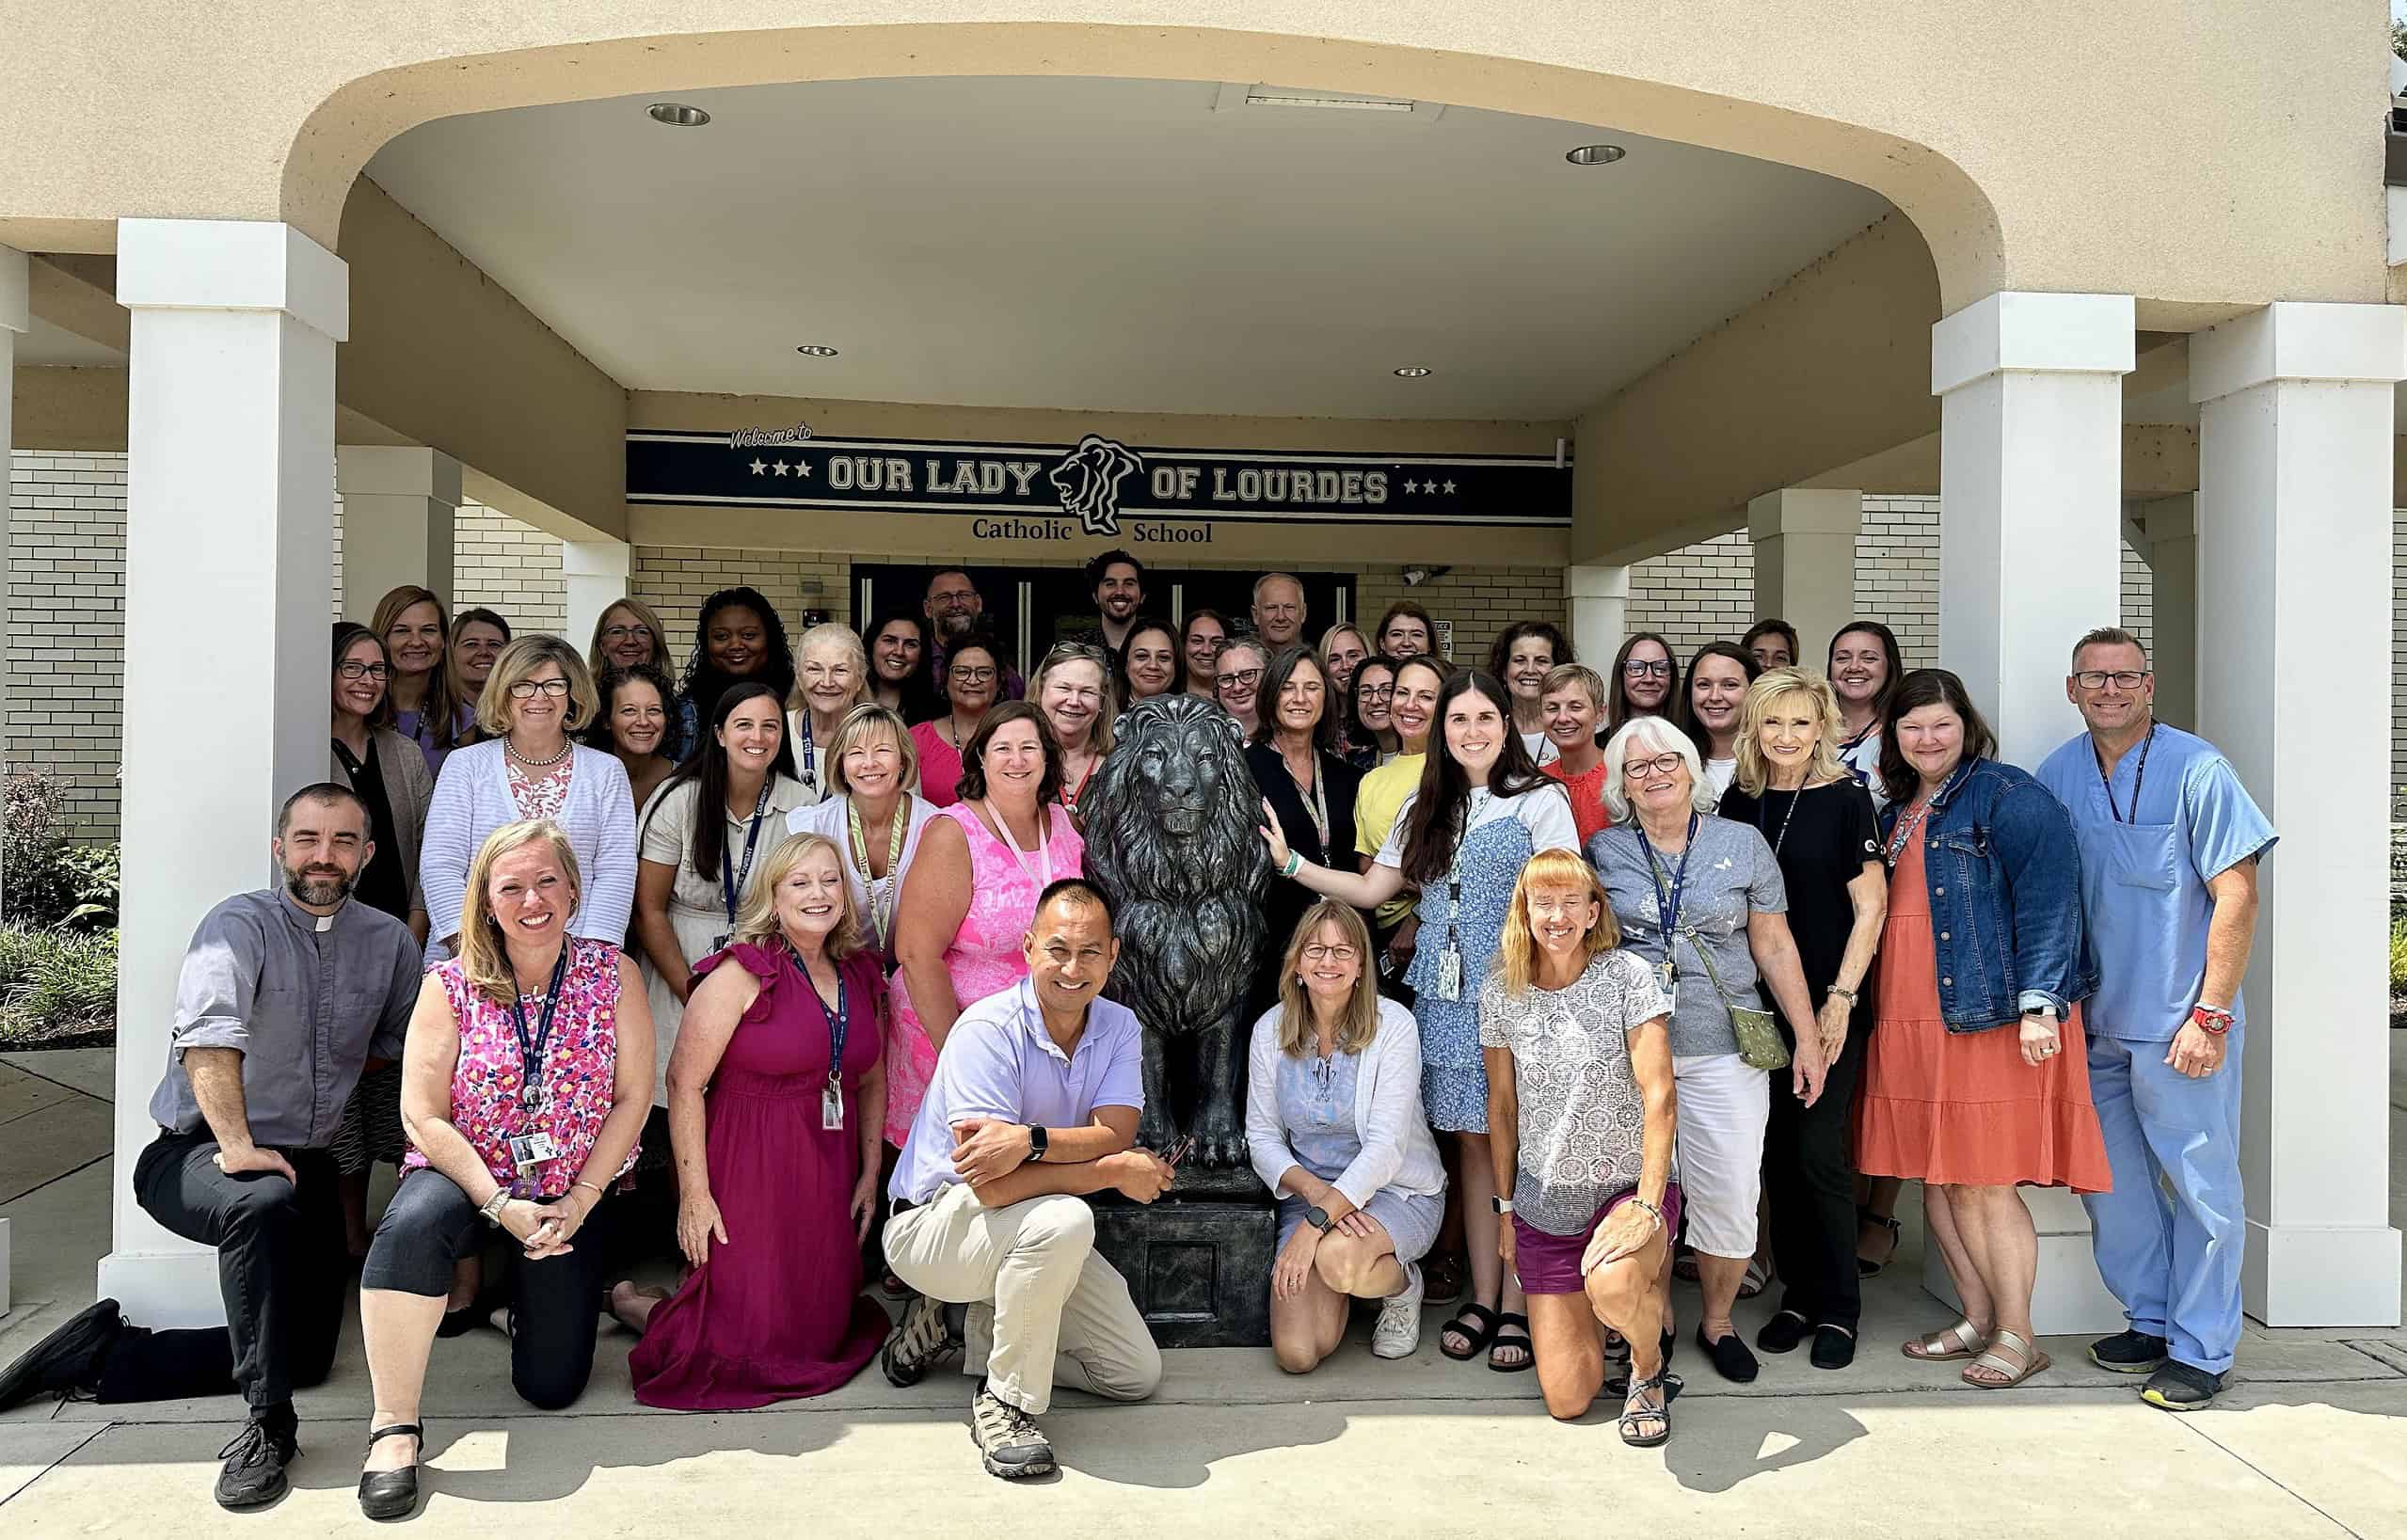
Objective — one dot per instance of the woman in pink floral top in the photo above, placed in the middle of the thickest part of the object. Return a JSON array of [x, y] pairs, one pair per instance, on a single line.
[[526, 1077], [970, 896]]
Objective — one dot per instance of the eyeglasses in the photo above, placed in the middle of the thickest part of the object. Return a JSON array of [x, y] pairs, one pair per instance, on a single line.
[[362, 671], [1640, 668], [972, 676], [2124, 678], [954, 596], [1316, 952], [622, 633], [1242, 679], [1662, 764], [527, 689], [1375, 692]]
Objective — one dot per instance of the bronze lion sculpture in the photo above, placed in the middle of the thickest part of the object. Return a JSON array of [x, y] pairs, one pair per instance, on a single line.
[[1170, 837]]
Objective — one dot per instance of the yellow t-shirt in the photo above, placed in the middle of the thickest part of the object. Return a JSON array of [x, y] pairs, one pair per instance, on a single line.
[[1377, 802]]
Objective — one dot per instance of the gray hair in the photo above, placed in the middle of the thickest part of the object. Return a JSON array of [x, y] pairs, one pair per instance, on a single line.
[[1246, 643], [1655, 736]]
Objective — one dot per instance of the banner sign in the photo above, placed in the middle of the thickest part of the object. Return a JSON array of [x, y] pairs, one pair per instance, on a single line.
[[1066, 491]]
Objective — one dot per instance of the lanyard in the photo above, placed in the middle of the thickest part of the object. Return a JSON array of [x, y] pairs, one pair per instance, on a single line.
[[1071, 794], [1319, 806], [2139, 779], [532, 1049], [1905, 826], [1044, 847], [881, 917], [1667, 904], [837, 1025], [810, 755], [731, 879], [1794, 798]]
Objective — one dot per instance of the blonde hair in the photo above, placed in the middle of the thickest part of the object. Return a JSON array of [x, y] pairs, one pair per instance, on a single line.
[[496, 711], [860, 722], [1099, 736], [1770, 689], [483, 956], [641, 612], [757, 919], [1359, 1023], [828, 632], [1517, 953], [1344, 628], [1562, 676]]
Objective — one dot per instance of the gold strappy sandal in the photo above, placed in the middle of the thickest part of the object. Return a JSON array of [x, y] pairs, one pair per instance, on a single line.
[[2029, 1360], [1961, 1341]]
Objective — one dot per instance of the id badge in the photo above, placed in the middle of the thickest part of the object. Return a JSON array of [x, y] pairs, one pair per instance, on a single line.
[[1450, 973], [719, 943], [532, 1150], [831, 1106], [1668, 976]]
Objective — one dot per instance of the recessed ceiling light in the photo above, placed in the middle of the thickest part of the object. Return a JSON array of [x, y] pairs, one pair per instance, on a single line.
[[1596, 155], [677, 115], [1412, 372], [815, 350]]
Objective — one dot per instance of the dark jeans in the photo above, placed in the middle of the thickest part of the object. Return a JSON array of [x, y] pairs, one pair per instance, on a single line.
[[282, 1265], [555, 1304], [1810, 1181]]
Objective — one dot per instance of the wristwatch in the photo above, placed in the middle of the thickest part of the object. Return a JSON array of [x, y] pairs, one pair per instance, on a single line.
[[2211, 1020], [1501, 1204], [1318, 1219], [493, 1206], [1037, 1141]]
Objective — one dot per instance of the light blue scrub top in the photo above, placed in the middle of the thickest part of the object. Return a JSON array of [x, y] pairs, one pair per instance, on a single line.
[[2143, 882]]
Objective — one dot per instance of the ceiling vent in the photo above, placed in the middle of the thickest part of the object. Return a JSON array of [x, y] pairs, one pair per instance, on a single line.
[[1233, 97]]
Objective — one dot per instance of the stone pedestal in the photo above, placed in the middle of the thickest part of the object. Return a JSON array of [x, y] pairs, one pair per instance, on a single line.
[[1200, 1270]]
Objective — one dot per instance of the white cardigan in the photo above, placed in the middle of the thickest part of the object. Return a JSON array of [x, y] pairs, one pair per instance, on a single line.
[[473, 799], [1398, 1150]]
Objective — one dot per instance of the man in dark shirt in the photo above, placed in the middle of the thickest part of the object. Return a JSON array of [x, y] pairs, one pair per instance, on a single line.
[[283, 996], [1117, 580]]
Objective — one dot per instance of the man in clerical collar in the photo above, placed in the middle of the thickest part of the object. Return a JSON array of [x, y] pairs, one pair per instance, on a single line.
[[2170, 841], [1034, 1105], [284, 995]]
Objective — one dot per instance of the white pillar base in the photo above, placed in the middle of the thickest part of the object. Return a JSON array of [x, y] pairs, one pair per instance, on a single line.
[[399, 507], [1600, 600], [595, 575], [164, 1289], [1805, 563]]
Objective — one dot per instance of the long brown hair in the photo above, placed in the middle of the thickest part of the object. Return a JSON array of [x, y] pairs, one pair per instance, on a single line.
[[439, 709], [483, 956], [1359, 1023], [347, 636], [1517, 953]]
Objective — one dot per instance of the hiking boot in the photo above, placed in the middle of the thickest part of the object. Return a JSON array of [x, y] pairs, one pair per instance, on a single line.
[[1398, 1331], [67, 1361], [1009, 1442], [926, 1338], [253, 1475], [2128, 1353], [2178, 1388]]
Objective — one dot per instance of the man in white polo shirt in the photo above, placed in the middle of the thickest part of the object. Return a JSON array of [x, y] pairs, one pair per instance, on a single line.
[[1034, 1104]]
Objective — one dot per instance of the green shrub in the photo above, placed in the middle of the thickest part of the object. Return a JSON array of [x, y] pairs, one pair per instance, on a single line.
[[2398, 957], [54, 982], [48, 878]]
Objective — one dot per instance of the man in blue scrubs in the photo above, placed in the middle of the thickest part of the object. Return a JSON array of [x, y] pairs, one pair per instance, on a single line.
[[2170, 842]]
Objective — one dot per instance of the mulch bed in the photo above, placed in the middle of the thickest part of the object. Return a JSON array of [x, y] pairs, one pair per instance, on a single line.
[[72, 1035]]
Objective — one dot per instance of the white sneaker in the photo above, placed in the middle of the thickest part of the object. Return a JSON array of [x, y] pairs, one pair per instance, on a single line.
[[1398, 1332]]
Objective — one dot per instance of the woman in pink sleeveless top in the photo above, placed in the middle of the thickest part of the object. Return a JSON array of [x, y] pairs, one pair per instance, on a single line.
[[971, 894]]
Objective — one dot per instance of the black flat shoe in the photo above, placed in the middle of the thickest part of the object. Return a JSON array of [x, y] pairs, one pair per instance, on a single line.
[[1834, 1347], [68, 1360], [392, 1494], [1783, 1332], [1731, 1358]]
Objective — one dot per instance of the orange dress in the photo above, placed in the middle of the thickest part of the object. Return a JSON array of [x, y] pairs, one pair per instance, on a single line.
[[1961, 1108]]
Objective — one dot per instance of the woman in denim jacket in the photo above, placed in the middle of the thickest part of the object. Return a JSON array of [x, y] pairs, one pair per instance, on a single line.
[[1976, 1079]]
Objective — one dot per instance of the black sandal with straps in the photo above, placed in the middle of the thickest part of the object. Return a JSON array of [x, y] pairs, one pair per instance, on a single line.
[[1479, 1331], [393, 1494], [1519, 1326]]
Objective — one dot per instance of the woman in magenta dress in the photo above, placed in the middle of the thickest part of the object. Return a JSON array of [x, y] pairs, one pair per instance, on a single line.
[[777, 1166], [971, 895]]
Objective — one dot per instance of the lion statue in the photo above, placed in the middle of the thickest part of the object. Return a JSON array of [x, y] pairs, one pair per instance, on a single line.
[[1170, 837]]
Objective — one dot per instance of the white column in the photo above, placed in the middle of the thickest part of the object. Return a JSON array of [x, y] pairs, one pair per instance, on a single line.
[[2294, 564], [1805, 562], [1600, 599], [595, 574], [230, 436], [399, 506], [2173, 585], [2031, 503], [2031, 556]]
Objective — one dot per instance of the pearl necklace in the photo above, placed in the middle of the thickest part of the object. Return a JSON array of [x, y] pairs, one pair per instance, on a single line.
[[512, 750]]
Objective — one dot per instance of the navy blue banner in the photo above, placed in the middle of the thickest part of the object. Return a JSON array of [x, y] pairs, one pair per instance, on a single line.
[[1096, 482]]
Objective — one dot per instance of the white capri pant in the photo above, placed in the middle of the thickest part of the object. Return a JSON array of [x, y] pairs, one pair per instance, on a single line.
[[1723, 1107]]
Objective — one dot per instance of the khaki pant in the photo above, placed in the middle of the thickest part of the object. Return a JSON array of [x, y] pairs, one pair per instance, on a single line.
[[1041, 1305]]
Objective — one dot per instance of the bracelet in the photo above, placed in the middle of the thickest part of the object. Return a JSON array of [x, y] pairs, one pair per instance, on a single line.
[[491, 1210], [1842, 991], [1650, 1209], [581, 1182], [1294, 864]]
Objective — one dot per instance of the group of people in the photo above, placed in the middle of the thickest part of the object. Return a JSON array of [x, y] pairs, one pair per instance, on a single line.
[[1574, 984]]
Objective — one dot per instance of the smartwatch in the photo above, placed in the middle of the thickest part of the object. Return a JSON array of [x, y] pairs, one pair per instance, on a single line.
[[1037, 1141], [1318, 1219], [1501, 1204]]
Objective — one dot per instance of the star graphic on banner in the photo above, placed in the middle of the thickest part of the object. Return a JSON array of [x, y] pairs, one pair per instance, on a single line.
[[780, 468], [759, 466], [1449, 488], [1411, 487], [801, 469]]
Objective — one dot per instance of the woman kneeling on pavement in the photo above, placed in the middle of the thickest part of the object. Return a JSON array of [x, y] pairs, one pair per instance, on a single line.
[[1333, 1121], [1580, 1128]]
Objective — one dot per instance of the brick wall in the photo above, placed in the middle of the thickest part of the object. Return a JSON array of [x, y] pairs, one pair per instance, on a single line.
[[66, 678]]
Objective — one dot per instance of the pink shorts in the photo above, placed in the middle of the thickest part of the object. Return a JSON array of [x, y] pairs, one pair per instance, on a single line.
[[1549, 1264]]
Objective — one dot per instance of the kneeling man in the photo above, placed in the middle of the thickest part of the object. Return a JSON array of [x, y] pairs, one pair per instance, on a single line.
[[1034, 1104]]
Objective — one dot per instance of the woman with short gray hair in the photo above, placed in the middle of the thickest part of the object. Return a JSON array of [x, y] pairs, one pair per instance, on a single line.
[[1700, 899]]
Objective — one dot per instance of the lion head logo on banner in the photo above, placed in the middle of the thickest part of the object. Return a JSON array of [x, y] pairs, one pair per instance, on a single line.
[[1088, 480]]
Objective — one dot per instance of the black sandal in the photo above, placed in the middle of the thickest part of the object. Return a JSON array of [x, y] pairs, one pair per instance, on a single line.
[[1866, 1217], [1519, 1325], [393, 1494], [1480, 1333]]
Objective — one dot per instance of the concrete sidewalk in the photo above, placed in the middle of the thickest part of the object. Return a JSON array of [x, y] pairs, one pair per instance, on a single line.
[[2312, 1441]]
